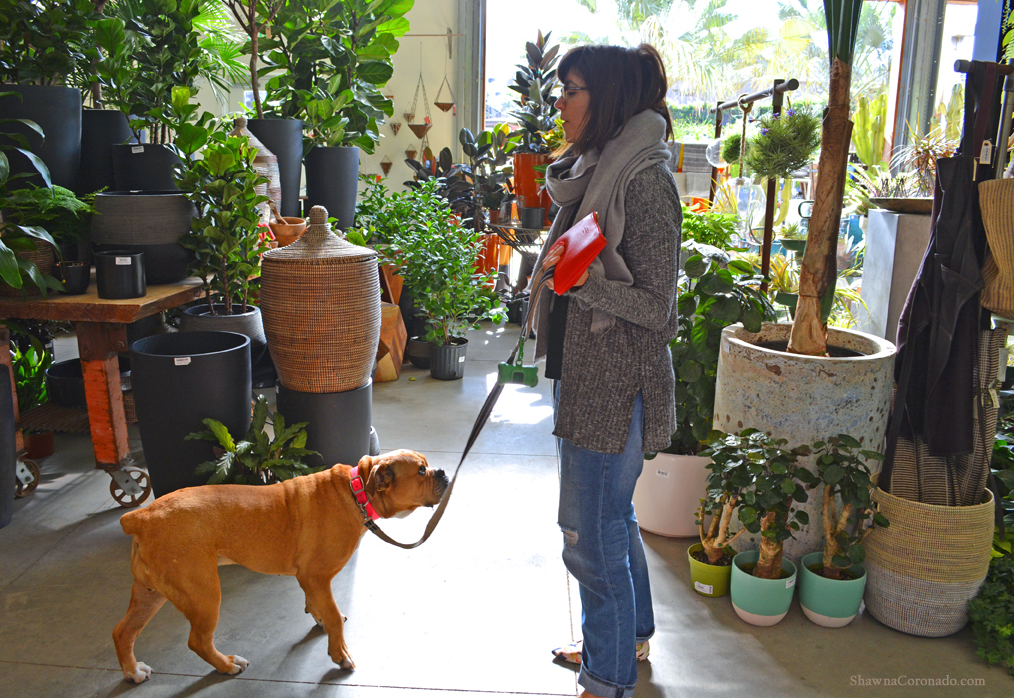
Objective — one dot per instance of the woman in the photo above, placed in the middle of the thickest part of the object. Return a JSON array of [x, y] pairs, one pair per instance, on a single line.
[[606, 343]]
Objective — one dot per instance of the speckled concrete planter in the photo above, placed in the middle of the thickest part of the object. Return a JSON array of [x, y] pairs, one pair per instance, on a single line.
[[803, 399]]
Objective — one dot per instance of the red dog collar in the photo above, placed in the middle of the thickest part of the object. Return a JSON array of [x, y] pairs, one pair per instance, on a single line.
[[359, 490]]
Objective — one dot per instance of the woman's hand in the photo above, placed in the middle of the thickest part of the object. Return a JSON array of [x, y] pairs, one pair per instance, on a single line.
[[550, 261]]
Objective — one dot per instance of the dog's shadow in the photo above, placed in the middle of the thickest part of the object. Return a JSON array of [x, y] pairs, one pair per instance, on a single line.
[[201, 684]]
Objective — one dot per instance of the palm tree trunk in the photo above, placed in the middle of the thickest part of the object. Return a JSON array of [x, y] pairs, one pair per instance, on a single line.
[[769, 564], [819, 269]]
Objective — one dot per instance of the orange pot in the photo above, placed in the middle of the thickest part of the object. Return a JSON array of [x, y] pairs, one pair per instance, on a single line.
[[489, 255], [525, 187]]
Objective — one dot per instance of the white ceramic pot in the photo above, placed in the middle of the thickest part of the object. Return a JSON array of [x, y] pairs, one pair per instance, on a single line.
[[668, 493]]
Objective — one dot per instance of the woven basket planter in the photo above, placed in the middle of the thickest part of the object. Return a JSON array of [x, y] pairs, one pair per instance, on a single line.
[[996, 199], [928, 564], [320, 301], [44, 258]]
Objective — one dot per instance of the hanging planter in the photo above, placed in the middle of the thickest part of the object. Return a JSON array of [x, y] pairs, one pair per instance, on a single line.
[[385, 165], [395, 126], [411, 152], [419, 129], [448, 103]]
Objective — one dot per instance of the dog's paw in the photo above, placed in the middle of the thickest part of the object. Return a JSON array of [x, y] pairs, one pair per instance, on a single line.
[[141, 674], [343, 659], [238, 664]]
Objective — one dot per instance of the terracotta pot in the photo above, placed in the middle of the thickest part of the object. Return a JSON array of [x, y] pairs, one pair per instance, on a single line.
[[489, 256], [288, 232], [525, 186]]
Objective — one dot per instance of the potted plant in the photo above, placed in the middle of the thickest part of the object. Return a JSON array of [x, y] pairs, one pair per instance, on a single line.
[[437, 259], [30, 382], [260, 458], [771, 483], [990, 612], [41, 43], [832, 581], [332, 59], [536, 84], [714, 292]]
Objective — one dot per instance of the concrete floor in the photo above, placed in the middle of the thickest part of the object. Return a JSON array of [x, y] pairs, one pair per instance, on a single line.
[[473, 612]]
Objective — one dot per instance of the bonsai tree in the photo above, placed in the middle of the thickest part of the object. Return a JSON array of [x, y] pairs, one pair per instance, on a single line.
[[338, 51], [819, 271], [437, 258], [715, 292], [224, 237], [260, 458], [536, 83], [841, 468], [42, 41], [766, 480]]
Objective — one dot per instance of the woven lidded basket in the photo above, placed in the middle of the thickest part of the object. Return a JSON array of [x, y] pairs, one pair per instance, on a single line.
[[925, 567], [320, 300]]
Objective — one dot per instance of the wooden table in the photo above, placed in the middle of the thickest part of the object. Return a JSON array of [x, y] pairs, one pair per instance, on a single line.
[[101, 326]]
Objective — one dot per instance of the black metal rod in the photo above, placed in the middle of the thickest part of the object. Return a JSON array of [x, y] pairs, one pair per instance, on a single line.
[[963, 66], [783, 87]]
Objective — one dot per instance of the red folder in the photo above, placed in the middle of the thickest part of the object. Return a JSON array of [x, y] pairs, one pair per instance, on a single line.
[[581, 245]]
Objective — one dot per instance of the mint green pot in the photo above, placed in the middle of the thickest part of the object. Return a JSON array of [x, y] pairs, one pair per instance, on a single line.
[[708, 580], [761, 601], [831, 603]]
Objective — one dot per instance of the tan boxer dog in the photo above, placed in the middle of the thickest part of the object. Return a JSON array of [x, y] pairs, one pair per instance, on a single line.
[[307, 527]]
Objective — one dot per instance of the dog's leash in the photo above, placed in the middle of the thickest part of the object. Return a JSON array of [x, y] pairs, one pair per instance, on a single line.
[[487, 409]]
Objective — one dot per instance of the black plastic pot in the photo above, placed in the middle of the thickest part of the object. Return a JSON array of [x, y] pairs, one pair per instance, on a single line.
[[76, 277], [338, 424], [332, 175], [447, 361], [58, 111], [418, 352], [8, 452], [120, 274], [284, 138], [180, 379], [198, 318], [146, 221], [533, 218], [65, 382], [144, 167], [101, 129], [77, 251]]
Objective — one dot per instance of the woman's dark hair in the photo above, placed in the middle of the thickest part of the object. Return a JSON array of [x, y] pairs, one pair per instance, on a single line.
[[621, 82]]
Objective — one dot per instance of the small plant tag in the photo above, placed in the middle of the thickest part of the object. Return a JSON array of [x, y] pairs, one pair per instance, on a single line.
[[789, 583], [662, 473], [182, 360], [461, 359], [123, 261], [994, 398], [704, 588], [987, 153], [137, 149]]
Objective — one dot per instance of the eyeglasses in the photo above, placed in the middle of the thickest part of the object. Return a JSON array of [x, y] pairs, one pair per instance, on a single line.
[[569, 92]]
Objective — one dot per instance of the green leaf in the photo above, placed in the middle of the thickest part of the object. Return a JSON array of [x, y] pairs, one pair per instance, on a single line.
[[833, 474], [221, 432]]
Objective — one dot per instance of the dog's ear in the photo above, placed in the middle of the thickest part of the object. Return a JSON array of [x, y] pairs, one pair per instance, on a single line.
[[382, 477]]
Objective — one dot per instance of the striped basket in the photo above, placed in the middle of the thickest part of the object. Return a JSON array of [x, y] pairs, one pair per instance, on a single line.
[[996, 199], [44, 258], [928, 564], [320, 300]]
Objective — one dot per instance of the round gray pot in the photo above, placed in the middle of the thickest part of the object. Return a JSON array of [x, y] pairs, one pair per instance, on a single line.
[[146, 221]]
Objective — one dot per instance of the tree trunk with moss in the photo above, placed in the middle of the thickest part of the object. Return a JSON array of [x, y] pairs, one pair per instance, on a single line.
[[769, 563], [819, 269]]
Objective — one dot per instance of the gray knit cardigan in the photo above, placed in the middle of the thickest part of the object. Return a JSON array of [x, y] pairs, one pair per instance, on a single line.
[[602, 373]]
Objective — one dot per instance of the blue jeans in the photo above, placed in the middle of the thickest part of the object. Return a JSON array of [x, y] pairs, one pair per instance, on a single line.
[[603, 550]]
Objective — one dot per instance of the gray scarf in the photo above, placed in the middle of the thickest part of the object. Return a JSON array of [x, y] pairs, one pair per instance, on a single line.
[[598, 180]]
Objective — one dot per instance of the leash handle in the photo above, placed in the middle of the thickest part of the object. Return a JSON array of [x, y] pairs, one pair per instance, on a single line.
[[539, 282]]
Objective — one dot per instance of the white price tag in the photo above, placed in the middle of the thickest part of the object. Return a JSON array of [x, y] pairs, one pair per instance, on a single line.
[[662, 473], [789, 583], [994, 398], [987, 153], [704, 588], [182, 360], [137, 149], [461, 359], [123, 261]]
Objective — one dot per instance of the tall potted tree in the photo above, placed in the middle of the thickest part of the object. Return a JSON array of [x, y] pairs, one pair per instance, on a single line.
[[40, 45], [715, 292], [536, 84]]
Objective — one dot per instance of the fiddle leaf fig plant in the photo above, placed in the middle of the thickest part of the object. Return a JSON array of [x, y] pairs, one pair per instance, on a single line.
[[224, 237], [42, 41], [714, 292], [259, 458], [842, 469], [766, 480]]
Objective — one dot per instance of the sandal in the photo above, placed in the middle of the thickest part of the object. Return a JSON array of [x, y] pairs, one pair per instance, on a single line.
[[572, 653]]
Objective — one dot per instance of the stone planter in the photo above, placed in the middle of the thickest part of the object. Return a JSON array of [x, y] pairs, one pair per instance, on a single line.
[[830, 603], [668, 494], [803, 399]]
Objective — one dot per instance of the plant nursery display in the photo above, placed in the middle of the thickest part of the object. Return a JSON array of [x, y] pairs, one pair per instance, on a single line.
[[259, 458]]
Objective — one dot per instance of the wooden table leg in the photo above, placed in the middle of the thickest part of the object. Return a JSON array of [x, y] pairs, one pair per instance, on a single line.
[[98, 343], [5, 360]]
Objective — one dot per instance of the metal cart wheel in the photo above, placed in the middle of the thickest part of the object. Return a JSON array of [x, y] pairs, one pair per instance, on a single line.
[[27, 477], [129, 486]]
